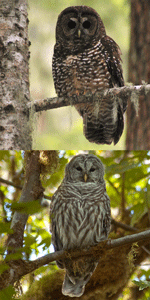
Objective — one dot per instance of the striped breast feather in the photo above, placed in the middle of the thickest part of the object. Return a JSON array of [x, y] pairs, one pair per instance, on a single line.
[[81, 216]]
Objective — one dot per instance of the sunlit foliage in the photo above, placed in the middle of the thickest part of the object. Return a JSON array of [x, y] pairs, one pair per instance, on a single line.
[[128, 186]]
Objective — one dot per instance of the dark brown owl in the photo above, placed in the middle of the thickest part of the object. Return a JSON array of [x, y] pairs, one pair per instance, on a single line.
[[87, 60], [80, 217]]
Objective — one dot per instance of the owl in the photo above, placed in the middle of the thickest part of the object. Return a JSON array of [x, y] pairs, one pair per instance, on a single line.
[[80, 217], [86, 60]]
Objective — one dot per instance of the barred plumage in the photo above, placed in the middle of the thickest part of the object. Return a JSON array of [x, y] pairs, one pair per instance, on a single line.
[[87, 60], [80, 217]]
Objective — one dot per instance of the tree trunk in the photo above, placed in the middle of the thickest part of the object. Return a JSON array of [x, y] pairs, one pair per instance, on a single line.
[[32, 191], [138, 127], [14, 75]]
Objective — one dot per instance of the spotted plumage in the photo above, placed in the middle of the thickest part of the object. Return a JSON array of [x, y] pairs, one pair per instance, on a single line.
[[87, 60], [80, 217]]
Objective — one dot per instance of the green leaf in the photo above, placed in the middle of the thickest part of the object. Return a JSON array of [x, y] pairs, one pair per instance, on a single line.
[[15, 256], [142, 284], [29, 208], [7, 293], [139, 210], [29, 240], [45, 242], [5, 227], [3, 267]]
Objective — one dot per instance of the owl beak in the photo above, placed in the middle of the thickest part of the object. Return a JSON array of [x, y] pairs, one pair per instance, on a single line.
[[79, 33], [85, 177]]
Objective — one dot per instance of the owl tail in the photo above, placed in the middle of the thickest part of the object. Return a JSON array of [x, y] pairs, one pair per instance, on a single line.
[[105, 130], [71, 289]]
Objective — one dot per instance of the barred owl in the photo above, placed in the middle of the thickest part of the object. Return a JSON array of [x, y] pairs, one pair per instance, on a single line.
[[80, 217], [87, 60]]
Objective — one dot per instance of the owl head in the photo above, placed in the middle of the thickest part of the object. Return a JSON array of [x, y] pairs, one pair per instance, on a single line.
[[79, 27], [85, 168]]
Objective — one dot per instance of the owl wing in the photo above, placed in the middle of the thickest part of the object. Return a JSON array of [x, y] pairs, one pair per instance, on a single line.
[[96, 224], [53, 227], [55, 67], [113, 60]]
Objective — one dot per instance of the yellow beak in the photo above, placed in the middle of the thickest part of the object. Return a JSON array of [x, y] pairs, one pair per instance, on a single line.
[[85, 177], [79, 33]]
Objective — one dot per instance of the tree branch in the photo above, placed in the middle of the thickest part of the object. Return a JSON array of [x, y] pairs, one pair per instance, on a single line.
[[122, 93], [10, 183], [26, 267], [112, 185], [109, 244], [19, 186], [123, 226], [128, 228], [32, 190]]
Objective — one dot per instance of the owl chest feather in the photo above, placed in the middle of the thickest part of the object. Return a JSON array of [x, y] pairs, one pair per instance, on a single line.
[[85, 208], [82, 72]]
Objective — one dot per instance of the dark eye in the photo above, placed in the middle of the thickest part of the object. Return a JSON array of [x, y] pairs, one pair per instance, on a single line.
[[86, 24], [79, 169], [71, 24], [92, 169]]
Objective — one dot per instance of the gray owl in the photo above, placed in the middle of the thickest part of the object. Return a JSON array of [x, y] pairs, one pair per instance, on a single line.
[[80, 217], [87, 60]]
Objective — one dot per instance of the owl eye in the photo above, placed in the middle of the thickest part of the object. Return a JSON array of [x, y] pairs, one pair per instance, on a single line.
[[92, 169], [79, 169], [71, 24], [86, 24]]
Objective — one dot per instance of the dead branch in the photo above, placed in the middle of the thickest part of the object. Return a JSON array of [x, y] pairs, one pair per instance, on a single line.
[[123, 93]]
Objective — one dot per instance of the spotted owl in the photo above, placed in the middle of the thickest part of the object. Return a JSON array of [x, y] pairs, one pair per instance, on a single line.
[[80, 217], [86, 60]]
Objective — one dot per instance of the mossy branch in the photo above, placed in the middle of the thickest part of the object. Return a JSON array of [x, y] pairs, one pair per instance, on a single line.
[[26, 267], [124, 93], [109, 244]]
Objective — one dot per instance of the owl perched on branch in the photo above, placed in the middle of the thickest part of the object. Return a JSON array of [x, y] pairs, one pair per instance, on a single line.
[[87, 60], [80, 217]]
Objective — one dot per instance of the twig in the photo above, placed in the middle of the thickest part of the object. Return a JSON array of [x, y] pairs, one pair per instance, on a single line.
[[123, 93], [19, 186], [10, 183], [128, 228], [116, 190], [123, 226]]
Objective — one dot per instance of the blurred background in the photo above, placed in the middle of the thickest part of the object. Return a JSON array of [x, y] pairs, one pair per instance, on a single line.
[[62, 128]]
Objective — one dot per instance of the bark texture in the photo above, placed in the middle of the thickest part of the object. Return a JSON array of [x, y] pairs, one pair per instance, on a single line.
[[138, 127], [14, 75]]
